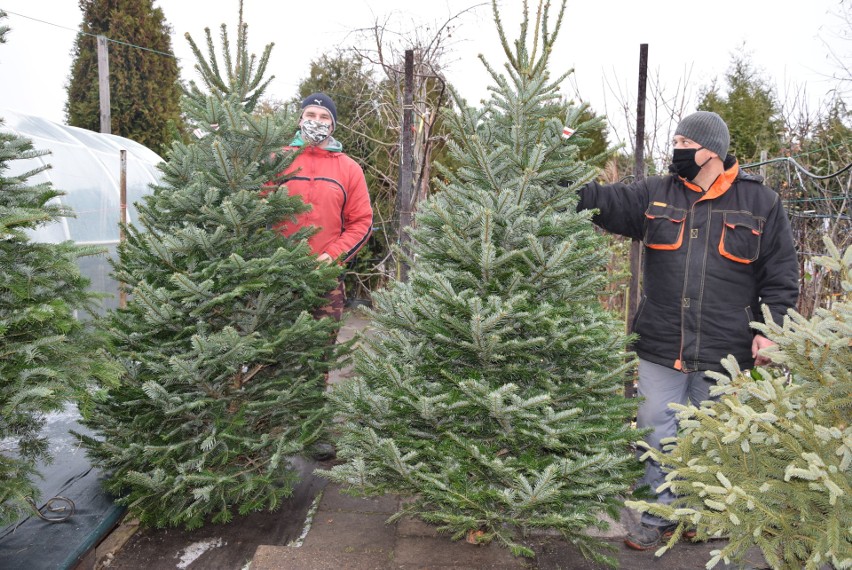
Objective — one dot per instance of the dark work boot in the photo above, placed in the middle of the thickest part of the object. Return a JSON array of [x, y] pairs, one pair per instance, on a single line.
[[646, 537]]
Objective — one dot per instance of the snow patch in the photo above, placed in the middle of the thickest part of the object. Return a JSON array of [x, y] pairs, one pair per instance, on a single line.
[[196, 549], [68, 414], [309, 519]]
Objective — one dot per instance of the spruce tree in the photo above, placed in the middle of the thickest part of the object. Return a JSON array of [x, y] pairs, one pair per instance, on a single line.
[[47, 356], [144, 77], [770, 463], [223, 362], [490, 394]]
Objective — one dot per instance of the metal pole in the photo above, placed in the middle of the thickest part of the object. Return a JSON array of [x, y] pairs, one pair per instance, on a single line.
[[634, 290], [122, 294], [639, 157], [103, 84], [406, 170]]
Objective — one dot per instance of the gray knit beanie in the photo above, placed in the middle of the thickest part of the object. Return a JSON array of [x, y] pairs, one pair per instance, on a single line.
[[707, 129]]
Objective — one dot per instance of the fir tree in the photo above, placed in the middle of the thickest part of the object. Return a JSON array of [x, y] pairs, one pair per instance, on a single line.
[[491, 392], [750, 108], [224, 363], [144, 88], [47, 355], [770, 463]]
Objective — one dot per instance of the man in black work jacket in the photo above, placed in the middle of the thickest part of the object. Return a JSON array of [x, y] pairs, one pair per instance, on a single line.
[[718, 245]]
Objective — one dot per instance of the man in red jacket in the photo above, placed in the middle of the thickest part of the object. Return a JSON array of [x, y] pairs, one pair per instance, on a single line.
[[334, 186]]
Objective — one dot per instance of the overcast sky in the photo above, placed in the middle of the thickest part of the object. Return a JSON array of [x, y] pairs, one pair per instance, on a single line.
[[599, 39]]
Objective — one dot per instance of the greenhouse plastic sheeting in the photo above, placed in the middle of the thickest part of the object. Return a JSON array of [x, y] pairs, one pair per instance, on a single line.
[[86, 166]]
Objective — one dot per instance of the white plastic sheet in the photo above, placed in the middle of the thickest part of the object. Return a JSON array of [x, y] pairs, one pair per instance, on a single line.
[[86, 166]]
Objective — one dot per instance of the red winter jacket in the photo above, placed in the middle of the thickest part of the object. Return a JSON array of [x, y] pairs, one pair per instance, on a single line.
[[334, 186]]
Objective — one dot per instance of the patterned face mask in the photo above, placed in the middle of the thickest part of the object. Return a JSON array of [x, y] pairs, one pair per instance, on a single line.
[[314, 132]]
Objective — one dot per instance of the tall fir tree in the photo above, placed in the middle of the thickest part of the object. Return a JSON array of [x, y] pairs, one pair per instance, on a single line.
[[749, 107], [48, 356], [770, 463], [144, 77], [491, 394], [224, 363]]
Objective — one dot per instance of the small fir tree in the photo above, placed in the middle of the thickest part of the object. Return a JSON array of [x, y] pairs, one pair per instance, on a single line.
[[47, 355], [491, 391], [224, 363], [770, 463]]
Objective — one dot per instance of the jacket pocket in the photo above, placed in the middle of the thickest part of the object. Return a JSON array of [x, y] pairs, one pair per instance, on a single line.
[[741, 234], [664, 226]]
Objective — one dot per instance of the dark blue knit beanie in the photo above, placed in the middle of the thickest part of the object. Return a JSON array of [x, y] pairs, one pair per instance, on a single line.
[[324, 101]]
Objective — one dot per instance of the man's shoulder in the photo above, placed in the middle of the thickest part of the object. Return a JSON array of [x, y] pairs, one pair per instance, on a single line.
[[749, 177], [746, 182], [752, 190], [347, 160], [653, 185]]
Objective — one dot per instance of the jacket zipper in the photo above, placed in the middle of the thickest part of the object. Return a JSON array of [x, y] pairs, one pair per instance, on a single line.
[[678, 364]]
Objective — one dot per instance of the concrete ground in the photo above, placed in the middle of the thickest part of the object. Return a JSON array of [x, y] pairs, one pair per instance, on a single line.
[[341, 532], [351, 534], [320, 528]]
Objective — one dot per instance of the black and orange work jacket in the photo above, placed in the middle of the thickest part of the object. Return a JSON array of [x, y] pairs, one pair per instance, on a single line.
[[711, 259]]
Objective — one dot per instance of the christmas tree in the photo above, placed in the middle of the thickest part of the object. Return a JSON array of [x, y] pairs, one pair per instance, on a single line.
[[48, 355], [490, 394], [770, 463], [223, 362]]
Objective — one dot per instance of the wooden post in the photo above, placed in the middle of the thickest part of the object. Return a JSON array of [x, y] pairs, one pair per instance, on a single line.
[[406, 170], [122, 294], [635, 289], [103, 84]]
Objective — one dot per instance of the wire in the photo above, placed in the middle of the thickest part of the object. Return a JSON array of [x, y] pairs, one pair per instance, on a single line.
[[37, 20], [800, 167], [91, 34], [816, 199], [812, 215], [133, 46], [823, 149]]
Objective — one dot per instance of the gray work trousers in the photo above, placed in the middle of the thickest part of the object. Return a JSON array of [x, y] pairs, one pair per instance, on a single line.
[[660, 386]]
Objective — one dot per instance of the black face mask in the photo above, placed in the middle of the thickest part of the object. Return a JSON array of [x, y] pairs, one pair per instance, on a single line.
[[683, 162]]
